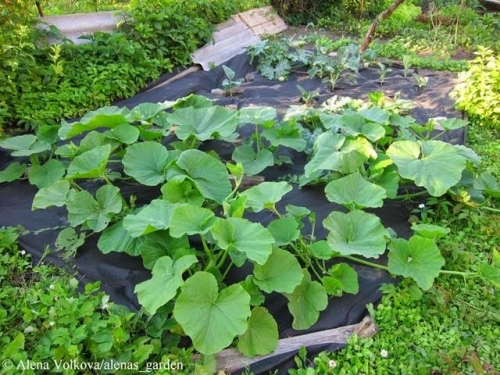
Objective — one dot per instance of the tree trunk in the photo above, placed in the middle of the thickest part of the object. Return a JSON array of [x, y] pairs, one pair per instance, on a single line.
[[382, 16]]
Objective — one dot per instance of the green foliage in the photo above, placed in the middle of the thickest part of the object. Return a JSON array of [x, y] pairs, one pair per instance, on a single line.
[[193, 231], [478, 92], [46, 321]]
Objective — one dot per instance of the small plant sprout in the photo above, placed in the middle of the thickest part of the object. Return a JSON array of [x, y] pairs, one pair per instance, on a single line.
[[307, 97], [420, 80], [406, 64], [383, 72], [229, 84]]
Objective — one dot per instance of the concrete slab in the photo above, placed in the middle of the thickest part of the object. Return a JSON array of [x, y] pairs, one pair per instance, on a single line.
[[72, 26]]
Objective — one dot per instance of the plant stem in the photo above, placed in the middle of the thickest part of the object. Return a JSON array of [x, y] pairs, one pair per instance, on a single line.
[[458, 273], [257, 138], [491, 209], [413, 195], [365, 262], [211, 259]]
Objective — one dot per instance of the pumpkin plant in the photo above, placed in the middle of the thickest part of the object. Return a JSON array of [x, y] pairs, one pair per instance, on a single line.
[[195, 230]]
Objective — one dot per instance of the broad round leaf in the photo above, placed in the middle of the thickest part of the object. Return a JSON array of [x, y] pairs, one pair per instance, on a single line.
[[418, 258], [12, 172], [341, 278], [204, 123], [243, 236], [253, 163], [190, 220], [161, 243], [90, 164], [306, 302], [105, 117], [146, 162], [153, 217], [257, 115], [356, 233], [353, 191], [261, 337], [435, 165], [45, 175], [162, 287], [211, 319], [284, 230], [208, 174], [281, 273], [25, 145], [124, 133], [83, 208], [54, 195], [265, 195], [116, 238], [431, 231]]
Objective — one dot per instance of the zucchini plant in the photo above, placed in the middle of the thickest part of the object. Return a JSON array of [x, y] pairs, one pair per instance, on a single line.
[[194, 230]]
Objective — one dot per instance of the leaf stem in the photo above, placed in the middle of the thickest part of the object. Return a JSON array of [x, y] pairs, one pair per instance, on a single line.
[[491, 209], [211, 259], [365, 262], [412, 195]]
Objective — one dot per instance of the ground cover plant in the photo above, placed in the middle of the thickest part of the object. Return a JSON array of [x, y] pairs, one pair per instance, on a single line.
[[193, 231], [42, 84]]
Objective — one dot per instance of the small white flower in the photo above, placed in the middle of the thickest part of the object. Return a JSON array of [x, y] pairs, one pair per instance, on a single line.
[[332, 363], [51, 286], [421, 206], [52, 324], [384, 353], [23, 252], [28, 329], [105, 306]]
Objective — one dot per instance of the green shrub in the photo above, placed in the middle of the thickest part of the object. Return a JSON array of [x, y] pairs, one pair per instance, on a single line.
[[478, 92], [41, 84], [402, 18]]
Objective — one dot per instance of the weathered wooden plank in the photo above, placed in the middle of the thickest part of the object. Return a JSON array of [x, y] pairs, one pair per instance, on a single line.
[[259, 16], [230, 360]]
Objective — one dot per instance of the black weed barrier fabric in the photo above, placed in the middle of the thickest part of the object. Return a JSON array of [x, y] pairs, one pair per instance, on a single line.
[[119, 272]]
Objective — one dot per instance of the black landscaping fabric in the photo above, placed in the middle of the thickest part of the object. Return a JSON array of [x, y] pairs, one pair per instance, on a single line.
[[119, 273]]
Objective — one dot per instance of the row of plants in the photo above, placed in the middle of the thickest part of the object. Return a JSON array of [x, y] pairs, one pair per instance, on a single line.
[[452, 327], [41, 84], [193, 231]]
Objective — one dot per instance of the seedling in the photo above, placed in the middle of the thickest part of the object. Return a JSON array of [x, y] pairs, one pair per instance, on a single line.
[[307, 97], [420, 80], [229, 84], [406, 64], [383, 72]]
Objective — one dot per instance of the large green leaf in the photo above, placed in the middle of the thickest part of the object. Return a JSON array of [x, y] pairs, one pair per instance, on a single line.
[[160, 243], [490, 273], [116, 238], [106, 117], [180, 190], [45, 175], [287, 134], [207, 173], [353, 191], [146, 111], [95, 213], [306, 302], [153, 217], [261, 337], [375, 114], [281, 273], [54, 195], [341, 278], [335, 152], [162, 287], [258, 115], [354, 124], [284, 230], [356, 233], [90, 164], [12, 172], [25, 145], [190, 220], [253, 162], [435, 165], [418, 258], [265, 195], [431, 231], [212, 319], [241, 235], [146, 162], [124, 133], [204, 123], [488, 183]]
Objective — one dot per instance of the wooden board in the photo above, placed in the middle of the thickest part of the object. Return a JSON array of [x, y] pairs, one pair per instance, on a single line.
[[231, 360], [263, 20]]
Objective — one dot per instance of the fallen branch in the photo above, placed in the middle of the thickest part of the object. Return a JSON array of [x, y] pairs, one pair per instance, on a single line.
[[382, 16]]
